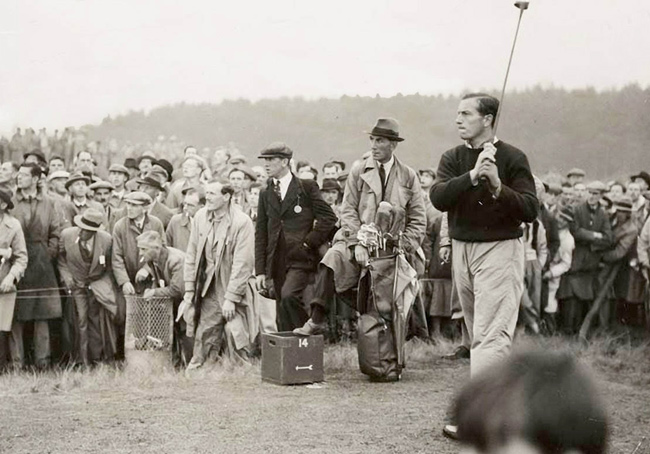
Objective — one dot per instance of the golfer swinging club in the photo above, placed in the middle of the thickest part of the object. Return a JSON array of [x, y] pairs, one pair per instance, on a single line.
[[488, 190]]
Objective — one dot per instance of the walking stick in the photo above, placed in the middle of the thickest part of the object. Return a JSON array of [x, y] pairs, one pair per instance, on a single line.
[[600, 299]]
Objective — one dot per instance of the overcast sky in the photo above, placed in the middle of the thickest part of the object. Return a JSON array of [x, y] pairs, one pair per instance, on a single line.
[[73, 62]]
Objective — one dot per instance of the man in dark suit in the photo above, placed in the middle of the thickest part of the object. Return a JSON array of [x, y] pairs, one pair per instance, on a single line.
[[293, 221], [85, 267]]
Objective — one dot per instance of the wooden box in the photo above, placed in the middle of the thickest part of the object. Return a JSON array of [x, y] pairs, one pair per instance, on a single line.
[[288, 359]]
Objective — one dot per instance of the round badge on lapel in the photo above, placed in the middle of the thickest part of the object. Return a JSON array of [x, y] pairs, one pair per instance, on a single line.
[[297, 209]]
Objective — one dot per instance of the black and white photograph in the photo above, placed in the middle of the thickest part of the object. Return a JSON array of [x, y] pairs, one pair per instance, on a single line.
[[341, 227]]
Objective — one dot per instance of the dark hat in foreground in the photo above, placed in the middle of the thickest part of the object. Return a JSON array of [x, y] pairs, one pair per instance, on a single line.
[[77, 176], [642, 175], [120, 168], [165, 165], [91, 219], [276, 150], [102, 185], [130, 163], [36, 152], [138, 198], [330, 184], [6, 196], [387, 128], [155, 178]]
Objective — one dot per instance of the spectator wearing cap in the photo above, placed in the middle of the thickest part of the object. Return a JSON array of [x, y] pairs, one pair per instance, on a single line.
[[575, 176], [125, 258], [178, 229], [145, 163], [331, 192], [102, 191], [13, 251], [560, 263], [592, 232], [162, 273], [85, 268], [152, 185], [41, 225], [118, 175], [628, 284], [56, 164], [293, 221], [332, 168], [192, 167], [381, 178]]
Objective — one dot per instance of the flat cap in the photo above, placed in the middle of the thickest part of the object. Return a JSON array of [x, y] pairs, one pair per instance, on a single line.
[[577, 172], [247, 171], [276, 150], [102, 185], [137, 198], [119, 168], [596, 186]]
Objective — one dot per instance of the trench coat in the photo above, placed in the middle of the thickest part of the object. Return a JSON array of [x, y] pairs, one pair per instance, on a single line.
[[41, 226], [233, 271], [178, 231], [11, 235]]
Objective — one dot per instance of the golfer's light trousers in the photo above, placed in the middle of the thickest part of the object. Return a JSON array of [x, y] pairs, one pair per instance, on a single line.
[[490, 281]]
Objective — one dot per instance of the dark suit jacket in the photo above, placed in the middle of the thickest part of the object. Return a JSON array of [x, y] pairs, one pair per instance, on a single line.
[[311, 226]]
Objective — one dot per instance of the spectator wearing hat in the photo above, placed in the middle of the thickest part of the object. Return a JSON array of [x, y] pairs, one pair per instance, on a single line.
[[37, 157], [132, 165], [240, 178], [331, 192], [40, 223], [102, 191], [13, 252], [178, 229], [78, 186], [152, 185], [628, 285], [85, 268], [118, 176], [56, 184], [560, 263], [192, 167], [642, 179], [163, 266], [382, 177], [145, 162], [293, 221], [575, 176], [592, 232]]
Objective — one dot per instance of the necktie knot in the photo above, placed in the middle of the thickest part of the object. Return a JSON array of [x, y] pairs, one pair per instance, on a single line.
[[276, 189]]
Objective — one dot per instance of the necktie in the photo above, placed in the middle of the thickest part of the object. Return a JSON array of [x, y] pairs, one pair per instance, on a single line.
[[382, 177], [277, 190]]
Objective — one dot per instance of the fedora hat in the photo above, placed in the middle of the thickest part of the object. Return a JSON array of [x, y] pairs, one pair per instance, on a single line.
[[642, 175], [330, 184], [36, 152], [387, 128], [6, 196], [130, 163], [155, 178], [77, 176], [91, 219]]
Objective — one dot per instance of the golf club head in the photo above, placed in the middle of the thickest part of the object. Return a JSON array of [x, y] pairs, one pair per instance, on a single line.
[[522, 5]]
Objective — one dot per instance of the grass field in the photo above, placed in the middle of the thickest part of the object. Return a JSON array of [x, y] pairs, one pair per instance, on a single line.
[[227, 409]]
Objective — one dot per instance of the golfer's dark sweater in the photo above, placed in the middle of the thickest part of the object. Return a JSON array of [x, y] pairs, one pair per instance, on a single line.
[[474, 215]]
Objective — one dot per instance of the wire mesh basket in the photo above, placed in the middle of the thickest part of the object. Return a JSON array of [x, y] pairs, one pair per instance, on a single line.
[[149, 324]]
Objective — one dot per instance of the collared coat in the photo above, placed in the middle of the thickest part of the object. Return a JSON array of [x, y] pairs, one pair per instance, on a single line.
[[363, 195], [41, 227], [178, 231], [11, 236], [235, 262], [311, 225], [125, 257], [160, 211]]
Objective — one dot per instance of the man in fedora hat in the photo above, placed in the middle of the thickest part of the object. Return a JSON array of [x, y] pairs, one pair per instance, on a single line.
[[85, 268], [293, 221], [40, 221], [642, 179], [331, 192], [592, 231], [13, 262], [380, 178], [152, 184], [78, 186]]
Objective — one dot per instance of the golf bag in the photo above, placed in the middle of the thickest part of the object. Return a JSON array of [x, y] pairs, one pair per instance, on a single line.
[[387, 291]]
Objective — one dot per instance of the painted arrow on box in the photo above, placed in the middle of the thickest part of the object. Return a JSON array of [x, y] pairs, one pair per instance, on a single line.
[[310, 367]]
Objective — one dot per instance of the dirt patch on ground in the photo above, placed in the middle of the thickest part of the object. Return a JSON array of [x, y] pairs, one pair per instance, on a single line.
[[229, 409]]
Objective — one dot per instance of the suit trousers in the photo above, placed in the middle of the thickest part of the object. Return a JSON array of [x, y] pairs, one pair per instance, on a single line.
[[41, 340], [291, 310], [89, 326], [489, 278]]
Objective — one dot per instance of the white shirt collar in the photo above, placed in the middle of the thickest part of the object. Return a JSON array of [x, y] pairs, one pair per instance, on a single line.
[[285, 181], [469, 145], [388, 165]]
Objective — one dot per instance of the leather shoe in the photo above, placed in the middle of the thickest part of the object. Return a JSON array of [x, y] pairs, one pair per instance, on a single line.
[[461, 352], [311, 329], [450, 431]]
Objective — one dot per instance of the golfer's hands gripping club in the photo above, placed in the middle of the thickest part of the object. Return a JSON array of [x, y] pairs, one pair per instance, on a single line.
[[361, 255]]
